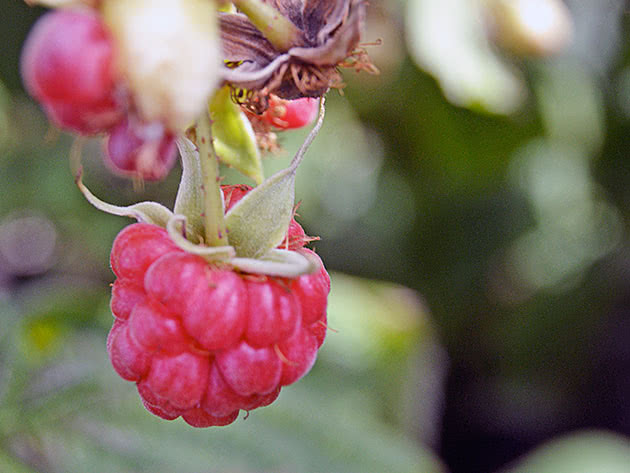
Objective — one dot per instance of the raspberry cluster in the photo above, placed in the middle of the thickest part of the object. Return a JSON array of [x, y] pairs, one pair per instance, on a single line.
[[68, 65], [204, 341]]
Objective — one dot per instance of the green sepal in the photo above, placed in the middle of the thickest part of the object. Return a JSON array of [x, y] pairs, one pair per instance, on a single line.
[[234, 137], [146, 212], [189, 200], [276, 262], [175, 228], [260, 220]]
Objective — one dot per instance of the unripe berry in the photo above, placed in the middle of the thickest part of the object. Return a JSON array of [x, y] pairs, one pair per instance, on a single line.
[[143, 150], [290, 114], [84, 119], [67, 65], [203, 341]]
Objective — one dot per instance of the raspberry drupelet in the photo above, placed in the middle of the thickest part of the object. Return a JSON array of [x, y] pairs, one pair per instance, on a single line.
[[203, 341]]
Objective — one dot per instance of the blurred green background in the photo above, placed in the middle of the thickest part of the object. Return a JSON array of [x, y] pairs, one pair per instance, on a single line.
[[473, 202]]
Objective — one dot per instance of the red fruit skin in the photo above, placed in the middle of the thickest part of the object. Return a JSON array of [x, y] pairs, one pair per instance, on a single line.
[[136, 247], [290, 114], [203, 342], [141, 150], [155, 330], [220, 400], [159, 406], [68, 57], [248, 370], [232, 194], [299, 352], [84, 119], [159, 411], [129, 360], [273, 315], [182, 379], [67, 65], [200, 418], [215, 314], [312, 291], [211, 304], [125, 295], [173, 277], [319, 329]]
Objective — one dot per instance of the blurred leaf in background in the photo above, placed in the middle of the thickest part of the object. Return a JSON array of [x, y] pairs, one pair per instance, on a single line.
[[583, 452]]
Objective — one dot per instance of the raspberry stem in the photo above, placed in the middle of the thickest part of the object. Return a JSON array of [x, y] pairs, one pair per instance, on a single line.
[[214, 221]]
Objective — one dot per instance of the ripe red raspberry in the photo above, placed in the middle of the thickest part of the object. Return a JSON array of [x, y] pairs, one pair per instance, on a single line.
[[67, 65], [289, 114], [143, 150], [204, 341]]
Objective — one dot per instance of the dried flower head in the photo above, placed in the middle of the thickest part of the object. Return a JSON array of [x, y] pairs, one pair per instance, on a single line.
[[326, 35]]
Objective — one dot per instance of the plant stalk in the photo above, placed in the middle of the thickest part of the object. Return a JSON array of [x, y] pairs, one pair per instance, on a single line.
[[214, 219], [278, 29]]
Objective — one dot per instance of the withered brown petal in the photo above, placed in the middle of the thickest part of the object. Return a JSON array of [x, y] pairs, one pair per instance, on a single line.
[[336, 44], [332, 30], [313, 17], [322, 17], [243, 42]]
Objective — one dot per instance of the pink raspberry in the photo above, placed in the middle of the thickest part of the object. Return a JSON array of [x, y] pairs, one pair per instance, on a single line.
[[203, 341], [67, 65], [290, 114], [144, 150]]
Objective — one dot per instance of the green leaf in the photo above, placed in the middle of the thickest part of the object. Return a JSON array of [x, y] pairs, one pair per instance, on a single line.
[[12, 464], [260, 220], [583, 452], [189, 200], [234, 138]]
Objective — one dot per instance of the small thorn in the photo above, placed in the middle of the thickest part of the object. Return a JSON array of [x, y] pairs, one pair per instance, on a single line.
[[327, 327], [283, 358]]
